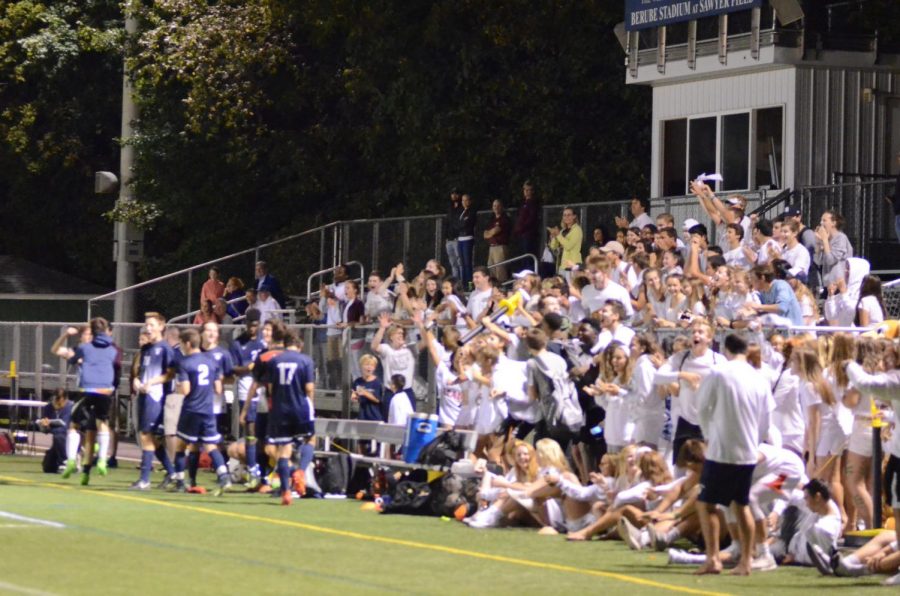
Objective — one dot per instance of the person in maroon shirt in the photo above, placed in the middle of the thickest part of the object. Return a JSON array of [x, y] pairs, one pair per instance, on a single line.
[[528, 221], [497, 235]]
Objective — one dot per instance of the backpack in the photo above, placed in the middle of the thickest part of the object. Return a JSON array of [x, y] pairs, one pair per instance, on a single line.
[[450, 491], [410, 497], [333, 474], [560, 409], [7, 445], [445, 449]]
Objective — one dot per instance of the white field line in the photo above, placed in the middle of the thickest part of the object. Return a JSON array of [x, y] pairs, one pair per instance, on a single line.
[[31, 520], [22, 589]]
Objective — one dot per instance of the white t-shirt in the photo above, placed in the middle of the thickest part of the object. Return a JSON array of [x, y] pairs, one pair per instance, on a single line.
[[640, 221], [734, 404], [510, 377], [478, 301], [762, 255], [737, 258], [623, 271], [798, 257], [871, 306], [685, 405], [395, 362], [449, 393], [400, 409], [622, 334], [593, 299]]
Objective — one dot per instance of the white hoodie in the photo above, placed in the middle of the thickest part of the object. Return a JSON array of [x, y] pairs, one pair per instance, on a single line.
[[840, 309]]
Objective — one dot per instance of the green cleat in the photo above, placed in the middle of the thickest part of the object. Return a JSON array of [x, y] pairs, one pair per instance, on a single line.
[[70, 469], [224, 486], [101, 467], [85, 478]]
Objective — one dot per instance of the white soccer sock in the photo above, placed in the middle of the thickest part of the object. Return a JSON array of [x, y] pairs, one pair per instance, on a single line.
[[221, 470], [762, 549], [645, 537], [673, 535], [103, 441], [853, 561], [73, 440]]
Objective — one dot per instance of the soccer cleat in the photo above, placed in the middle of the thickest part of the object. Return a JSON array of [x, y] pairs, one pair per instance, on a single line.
[[223, 487], [842, 568], [630, 534], [85, 479], [264, 489], [139, 485], [71, 466], [286, 497], [819, 558], [101, 467], [197, 490], [167, 481], [764, 562], [680, 557], [253, 482], [894, 580], [179, 487], [298, 481]]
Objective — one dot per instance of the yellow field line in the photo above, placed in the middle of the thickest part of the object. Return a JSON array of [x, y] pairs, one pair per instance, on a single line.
[[385, 540]]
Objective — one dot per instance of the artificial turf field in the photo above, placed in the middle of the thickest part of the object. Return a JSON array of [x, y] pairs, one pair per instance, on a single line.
[[115, 541]]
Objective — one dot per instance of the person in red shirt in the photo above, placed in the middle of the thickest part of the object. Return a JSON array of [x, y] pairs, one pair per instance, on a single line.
[[213, 288]]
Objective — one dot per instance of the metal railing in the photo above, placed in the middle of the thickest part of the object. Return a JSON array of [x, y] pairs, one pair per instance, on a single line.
[[361, 279], [524, 257], [378, 244]]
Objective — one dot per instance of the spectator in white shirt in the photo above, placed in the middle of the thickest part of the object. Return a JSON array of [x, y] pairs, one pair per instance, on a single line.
[[603, 288], [612, 329], [621, 271], [480, 298], [794, 253], [734, 238], [266, 305], [767, 248], [734, 403], [640, 211]]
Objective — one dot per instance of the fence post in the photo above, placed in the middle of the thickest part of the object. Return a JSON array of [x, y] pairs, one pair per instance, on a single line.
[[39, 360], [346, 381], [17, 356], [375, 231], [438, 233], [189, 283], [345, 246], [405, 242]]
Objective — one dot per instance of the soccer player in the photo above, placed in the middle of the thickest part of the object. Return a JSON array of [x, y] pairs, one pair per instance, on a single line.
[[244, 351], [733, 405], [209, 343], [157, 368], [199, 379], [290, 377], [100, 365]]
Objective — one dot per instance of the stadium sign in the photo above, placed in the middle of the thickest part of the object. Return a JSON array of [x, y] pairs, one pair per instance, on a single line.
[[642, 14]]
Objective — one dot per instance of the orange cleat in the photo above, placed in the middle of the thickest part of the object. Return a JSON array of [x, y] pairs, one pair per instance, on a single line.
[[286, 498], [298, 479], [265, 489], [197, 490]]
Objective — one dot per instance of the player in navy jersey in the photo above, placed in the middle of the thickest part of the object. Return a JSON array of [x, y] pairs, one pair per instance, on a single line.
[[157, 368], [289, 376], [244, 351], [100, 364], [199, 379], [209, 343]]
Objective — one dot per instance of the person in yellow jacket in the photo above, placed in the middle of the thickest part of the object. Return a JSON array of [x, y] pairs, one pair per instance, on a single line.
[[566, 239]]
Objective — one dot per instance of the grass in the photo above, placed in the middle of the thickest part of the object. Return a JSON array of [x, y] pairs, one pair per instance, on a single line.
[[116, 542]]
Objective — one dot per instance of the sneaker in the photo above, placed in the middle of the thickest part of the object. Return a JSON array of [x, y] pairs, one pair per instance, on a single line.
[[894, 580], [253, 482], [298, 482], [101, 467], [85, 479], [223, 487], [764, 562], [286, 497], [486, 518], [167, 481], [680, 557], [630, 534], [139, 485], [819, 558], [843, 569], [71, 466]]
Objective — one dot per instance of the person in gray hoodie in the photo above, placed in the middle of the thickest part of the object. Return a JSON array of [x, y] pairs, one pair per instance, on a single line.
[[833, 248]]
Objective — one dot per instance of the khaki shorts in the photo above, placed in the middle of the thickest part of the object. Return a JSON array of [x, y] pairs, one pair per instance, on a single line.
[[333, 348], [171, 413]]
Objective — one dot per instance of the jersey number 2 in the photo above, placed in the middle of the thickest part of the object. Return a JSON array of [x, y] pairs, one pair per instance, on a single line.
[[203, 376]]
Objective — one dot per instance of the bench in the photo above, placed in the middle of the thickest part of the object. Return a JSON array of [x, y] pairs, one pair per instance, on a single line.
[[382, 434]]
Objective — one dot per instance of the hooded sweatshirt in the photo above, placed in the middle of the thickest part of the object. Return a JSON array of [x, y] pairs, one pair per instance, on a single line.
[[834, 262], [840, 309], [99, 362]]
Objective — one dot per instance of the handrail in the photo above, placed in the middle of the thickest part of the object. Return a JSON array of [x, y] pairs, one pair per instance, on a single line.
[[160, 278], [188, 315], [362, 275], [776, 200], [518, 258]]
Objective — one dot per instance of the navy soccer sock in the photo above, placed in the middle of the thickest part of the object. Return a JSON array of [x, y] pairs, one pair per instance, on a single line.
[[193, 464], [163, 458], [284, 473], [146, 465], [251, 453]]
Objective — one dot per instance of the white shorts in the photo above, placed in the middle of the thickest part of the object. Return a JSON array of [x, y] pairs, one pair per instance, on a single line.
[[648, 428], [576, 525], [861, 437], [831, 442]]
